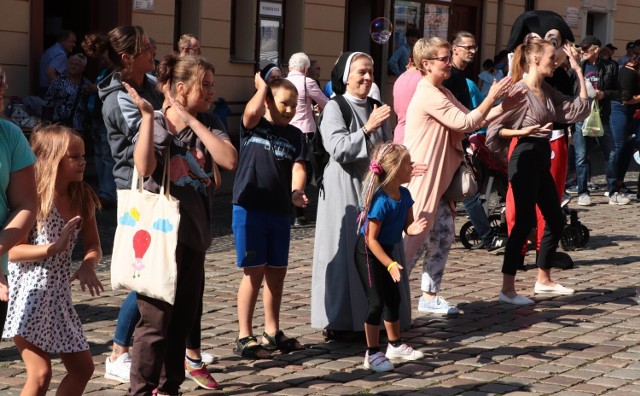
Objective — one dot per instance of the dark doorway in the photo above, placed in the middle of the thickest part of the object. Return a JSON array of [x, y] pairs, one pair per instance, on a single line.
[[49, 17]]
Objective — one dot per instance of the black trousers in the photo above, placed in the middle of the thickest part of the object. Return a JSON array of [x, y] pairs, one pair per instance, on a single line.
[[383, 293], [158, 347], [532, 184]]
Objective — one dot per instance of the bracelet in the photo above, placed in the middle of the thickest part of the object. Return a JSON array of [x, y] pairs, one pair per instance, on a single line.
[[294, 191], [393, 264], [365, 130]]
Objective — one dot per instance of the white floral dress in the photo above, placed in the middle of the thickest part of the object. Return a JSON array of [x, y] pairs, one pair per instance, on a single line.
[[40, 307]]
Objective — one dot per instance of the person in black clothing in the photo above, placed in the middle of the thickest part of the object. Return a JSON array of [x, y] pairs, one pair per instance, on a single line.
[[630, 94], [464, 50]]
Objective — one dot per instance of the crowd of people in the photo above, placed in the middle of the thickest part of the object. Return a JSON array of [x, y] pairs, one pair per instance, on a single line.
[[383, 206]]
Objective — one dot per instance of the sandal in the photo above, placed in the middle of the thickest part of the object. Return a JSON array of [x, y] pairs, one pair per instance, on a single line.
[[279, 341], [248, 347]]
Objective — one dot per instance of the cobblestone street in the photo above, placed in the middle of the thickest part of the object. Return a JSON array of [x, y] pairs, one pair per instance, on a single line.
[[583, 344]]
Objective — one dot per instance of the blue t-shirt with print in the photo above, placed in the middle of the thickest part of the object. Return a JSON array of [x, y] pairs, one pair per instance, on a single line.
[[592, 75], [392, 214], [267, 155], [15, 155]]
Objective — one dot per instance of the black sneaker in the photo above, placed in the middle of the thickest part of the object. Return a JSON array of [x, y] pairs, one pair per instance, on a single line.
[[497, 245]]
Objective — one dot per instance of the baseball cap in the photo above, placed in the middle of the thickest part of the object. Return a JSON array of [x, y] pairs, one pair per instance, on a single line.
[[611, 46], [630, 45], [589, 41], [636, 43]]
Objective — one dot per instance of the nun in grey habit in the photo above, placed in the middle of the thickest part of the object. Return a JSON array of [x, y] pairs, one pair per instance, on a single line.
[[338, 300]]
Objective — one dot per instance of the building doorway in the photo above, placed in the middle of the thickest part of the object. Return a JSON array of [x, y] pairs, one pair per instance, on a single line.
[[49, 17]]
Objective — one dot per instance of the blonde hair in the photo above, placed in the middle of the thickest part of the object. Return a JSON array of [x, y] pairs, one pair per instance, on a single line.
[[385, 164], [522, 56], [427, 48], [50, 144]]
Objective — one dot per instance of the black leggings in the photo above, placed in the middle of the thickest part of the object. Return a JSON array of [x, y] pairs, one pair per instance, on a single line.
[[383, 291], [532, 184]]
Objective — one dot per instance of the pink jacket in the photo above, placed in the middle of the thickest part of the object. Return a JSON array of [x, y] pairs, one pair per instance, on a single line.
[[304, 111], [436, 124]]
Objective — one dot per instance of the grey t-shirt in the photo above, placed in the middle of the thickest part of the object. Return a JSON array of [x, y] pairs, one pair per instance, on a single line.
[[191, 176]]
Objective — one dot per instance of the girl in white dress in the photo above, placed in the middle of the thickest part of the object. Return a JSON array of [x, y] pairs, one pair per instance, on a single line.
[[41, 318]]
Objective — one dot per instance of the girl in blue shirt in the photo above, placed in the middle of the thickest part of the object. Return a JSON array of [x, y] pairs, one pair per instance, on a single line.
[[385, 215]]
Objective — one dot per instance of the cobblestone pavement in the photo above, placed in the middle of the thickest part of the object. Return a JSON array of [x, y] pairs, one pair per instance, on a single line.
[[584, 344]]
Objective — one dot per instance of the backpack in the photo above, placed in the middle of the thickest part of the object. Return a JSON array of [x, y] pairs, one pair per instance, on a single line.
[[319, 155]]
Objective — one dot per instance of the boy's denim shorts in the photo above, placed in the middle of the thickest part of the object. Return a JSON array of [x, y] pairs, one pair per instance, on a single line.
[[261, 238]]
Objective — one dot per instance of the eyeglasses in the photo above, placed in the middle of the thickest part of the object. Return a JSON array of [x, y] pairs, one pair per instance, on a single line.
[[468, 47], [445, 59]]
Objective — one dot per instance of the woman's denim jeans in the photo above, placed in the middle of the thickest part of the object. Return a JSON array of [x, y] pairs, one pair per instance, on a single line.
[[583, 144], [127, 320]]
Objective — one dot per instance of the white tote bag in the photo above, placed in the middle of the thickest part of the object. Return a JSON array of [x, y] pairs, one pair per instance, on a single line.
[[144, 245]]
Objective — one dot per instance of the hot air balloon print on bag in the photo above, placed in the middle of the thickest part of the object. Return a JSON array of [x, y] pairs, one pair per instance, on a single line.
[[141, 242], [144, 245]]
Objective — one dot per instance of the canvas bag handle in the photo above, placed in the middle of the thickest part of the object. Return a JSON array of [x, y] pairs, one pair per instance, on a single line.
[[136, 180]]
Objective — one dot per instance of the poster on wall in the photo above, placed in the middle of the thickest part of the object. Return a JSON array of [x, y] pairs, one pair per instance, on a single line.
[[436, 21], [572, 17], [143, 5], [406, 16]]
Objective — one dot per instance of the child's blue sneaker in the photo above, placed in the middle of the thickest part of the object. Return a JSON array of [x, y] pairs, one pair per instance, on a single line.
[[377, 362]]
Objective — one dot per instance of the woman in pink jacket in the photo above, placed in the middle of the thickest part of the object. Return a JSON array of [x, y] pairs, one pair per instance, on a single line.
[[436, 126]]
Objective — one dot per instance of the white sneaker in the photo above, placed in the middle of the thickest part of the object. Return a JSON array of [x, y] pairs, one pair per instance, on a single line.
[[403, 352], [378, 362], [437, 305], [118, 370], [618, 199], [584, 200], [206, 358]]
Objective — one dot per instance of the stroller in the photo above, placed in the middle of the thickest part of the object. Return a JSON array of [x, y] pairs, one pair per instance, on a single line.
[[493, 173]]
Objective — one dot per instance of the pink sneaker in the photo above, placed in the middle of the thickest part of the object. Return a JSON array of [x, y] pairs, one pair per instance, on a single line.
[[200, 375]]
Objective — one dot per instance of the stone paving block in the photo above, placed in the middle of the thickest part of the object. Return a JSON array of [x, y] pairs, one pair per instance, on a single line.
[[442, 391], [500, 368], [608, 382], [481, 376], [589, 389], [625, 374], [540, 387], [550, 368], [497, 388], [340, 390], [294, 391]]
